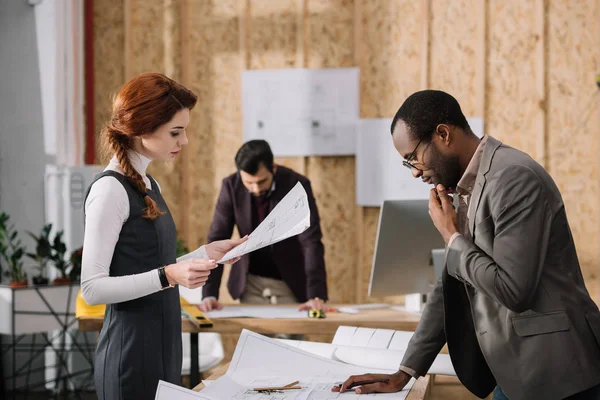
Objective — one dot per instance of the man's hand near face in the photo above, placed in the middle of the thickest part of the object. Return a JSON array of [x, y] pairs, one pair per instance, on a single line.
[[442, 212]]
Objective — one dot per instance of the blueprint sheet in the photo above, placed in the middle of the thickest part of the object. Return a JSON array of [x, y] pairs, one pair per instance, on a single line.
[[259, 361], [290, 217]]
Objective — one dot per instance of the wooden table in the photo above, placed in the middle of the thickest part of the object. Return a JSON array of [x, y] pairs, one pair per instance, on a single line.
[[382, 318], [419, 391]]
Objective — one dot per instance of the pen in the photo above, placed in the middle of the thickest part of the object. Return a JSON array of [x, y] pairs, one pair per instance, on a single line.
[[286, 387], [360, 383]]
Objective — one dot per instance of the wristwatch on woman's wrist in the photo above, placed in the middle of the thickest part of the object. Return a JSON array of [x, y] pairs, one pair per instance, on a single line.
[[164, 282]]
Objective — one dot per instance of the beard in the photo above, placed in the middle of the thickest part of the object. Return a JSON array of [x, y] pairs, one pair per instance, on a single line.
[[445, 168], [260, 195]]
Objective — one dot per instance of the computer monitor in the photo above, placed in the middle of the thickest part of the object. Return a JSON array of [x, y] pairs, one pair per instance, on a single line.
[[406, 247]]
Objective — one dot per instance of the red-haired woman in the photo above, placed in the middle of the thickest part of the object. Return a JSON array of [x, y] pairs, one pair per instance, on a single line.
[[130, 239]]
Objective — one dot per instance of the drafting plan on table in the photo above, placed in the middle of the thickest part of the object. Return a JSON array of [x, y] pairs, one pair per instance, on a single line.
[[168, 391], [259, 361], [291, 216], [288, 312]]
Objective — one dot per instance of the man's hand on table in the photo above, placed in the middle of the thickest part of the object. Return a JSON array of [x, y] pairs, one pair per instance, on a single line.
[[316, 304]]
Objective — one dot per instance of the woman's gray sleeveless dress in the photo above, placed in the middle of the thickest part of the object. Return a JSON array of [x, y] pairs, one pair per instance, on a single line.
[[140, 341]]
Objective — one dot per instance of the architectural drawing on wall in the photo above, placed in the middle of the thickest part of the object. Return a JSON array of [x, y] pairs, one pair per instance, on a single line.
[[380, 174], [302, 112]]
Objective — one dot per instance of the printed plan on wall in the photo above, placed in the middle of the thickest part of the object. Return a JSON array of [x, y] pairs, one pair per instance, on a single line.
[[380, 174], [302, 112]]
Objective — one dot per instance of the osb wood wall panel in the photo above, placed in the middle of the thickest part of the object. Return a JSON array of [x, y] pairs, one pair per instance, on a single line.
[[328, 35], [573, 120], [215, 128], [109, 31], [390, 52], [452, 51], [272, 43], [145, 38], [513, 109]]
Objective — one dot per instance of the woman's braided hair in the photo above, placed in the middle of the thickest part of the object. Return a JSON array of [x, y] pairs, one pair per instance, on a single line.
[[143, 105]]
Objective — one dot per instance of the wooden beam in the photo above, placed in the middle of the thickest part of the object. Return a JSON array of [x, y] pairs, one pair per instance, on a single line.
[[301, 34], [244, 23], [541, 87], [301, 60], [425, 37], [481, 69], [186, 80], [170, 32], [358, 9], [359, 210], [127, 7]]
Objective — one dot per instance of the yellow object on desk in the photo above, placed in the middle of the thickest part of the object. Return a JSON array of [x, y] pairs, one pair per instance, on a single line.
[[315, 313], [83, 309], [194, 314]]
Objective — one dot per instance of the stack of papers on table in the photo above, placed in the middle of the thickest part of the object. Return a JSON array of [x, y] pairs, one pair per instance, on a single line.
[[259, 361], [257, 312]]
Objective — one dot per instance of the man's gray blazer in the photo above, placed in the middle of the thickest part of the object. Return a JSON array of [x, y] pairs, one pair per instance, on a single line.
[[511, 303]]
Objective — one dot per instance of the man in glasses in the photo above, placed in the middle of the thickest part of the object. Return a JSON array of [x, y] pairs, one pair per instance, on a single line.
[[291, 271], [511, 303]]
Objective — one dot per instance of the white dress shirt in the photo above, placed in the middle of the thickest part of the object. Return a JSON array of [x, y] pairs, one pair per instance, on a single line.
[[106, 210]]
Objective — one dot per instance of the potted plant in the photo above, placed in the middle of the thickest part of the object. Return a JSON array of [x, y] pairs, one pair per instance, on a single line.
[[76, 257], [43, 251], [11, 251], [59, 248]]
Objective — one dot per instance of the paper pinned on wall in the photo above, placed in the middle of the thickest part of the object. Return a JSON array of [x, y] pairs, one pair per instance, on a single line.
[[290, 217], [302, 112], [380, 174]]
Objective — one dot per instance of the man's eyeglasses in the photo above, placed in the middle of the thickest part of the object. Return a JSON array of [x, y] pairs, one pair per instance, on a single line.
[[407, 162]]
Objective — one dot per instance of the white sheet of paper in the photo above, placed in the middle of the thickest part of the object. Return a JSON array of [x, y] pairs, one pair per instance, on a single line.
[[168, 391], [290, 217], [400, 340], [369, 357], [343, 335], [290, 312], [259, 361], [388, 359], [362, 336], [381, 338]]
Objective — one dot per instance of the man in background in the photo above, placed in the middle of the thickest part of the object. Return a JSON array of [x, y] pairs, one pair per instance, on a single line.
[[290, 271]]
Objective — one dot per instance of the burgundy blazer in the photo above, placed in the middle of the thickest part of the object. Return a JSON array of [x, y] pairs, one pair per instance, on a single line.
[[300, 259]]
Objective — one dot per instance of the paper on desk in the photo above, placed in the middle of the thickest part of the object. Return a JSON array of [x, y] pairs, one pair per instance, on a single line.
[[290, 217], [388, 359], [168, 391], [354, 309], [290, 312], [261, 361]]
